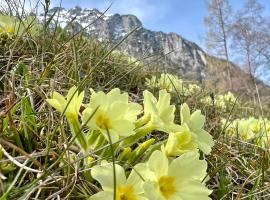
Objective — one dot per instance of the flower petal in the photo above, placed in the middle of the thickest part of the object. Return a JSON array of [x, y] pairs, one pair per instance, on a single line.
[[149, 103], [102, 196], [136, 180], [191, 167], [98, 99], [123, 127], [115, 95], [60, 98], [72, 93], [205, 141], [184, 113], [158, 163], [87, 117], [55, 103], [104, 175], [194, 190], [117, 110], [152, 191], [197, 120], [114, 135], [134, 109]]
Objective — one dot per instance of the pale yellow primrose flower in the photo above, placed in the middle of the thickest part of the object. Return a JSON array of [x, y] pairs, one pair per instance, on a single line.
[[194, 88], [126, 188], [208, 101], [221, 101], [179, 180], [191, 89], [113, 114], [11, 25], [252, 130], [195, 123], [256, 125], [70, 106], [180, 142], [169, 82], [158, 114], [72, 101], [229, 98], [246, 129], [152, 82], [10, 29], [264, 141], [243, 130]]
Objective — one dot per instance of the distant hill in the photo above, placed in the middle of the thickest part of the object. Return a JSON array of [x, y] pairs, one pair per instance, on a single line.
[[217, 80]]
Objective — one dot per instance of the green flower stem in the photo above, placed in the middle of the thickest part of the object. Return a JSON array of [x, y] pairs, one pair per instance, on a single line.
[[140, 132], [113, 161], [100, 142], [78, 134], [125, 154], [107, 151], [88, 163], [142, 121], [95, 140], [137, 153], [92, 137]]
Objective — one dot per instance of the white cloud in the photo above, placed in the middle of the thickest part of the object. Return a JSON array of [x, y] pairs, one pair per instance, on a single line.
[[144, 9]]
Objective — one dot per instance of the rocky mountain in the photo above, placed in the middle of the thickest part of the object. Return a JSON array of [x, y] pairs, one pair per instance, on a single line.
[[170, 52], [177, 54]]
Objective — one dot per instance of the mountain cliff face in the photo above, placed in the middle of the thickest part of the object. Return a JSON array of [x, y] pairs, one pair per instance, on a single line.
[[170, 52], [177, 54]]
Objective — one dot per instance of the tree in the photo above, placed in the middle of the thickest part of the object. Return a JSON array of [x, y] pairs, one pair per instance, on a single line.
[[248, 35], [264, 43], [218, 22]]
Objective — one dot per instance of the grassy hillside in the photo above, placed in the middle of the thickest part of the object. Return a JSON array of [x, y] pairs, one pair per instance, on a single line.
[[241, 80], [67, 132]]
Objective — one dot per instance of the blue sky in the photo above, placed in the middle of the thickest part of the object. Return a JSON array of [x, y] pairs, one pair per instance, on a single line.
[[184, 17]]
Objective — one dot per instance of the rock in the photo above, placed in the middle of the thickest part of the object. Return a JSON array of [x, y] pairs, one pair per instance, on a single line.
[[177, 54]]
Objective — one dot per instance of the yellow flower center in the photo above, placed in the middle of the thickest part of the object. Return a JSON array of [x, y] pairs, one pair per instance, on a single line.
[[183, 137], [244, 135], [166, 186], [256, 129], [125, 193], [10, 29], [103, 122]]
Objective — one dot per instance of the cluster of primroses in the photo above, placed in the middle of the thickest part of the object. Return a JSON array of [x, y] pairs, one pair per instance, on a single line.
[[173, 169], [171, 83], [222, 102], [174, 85], [8, 24], [252, 130], [13, 25]]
